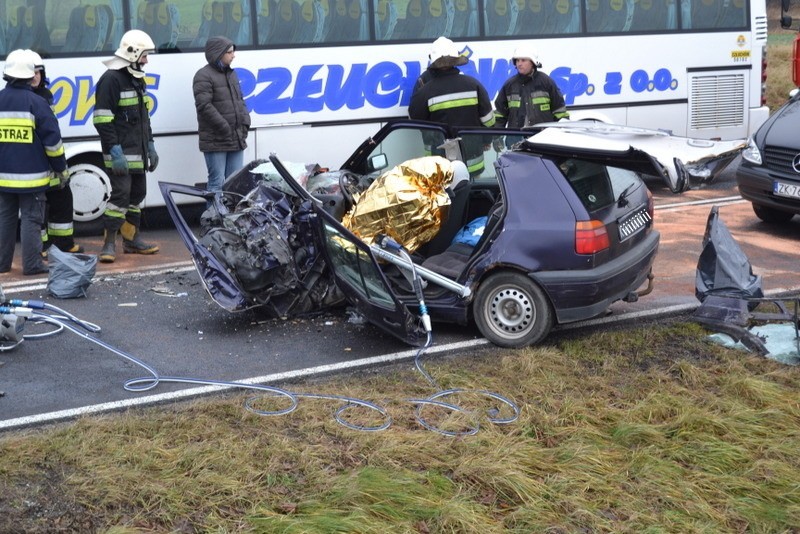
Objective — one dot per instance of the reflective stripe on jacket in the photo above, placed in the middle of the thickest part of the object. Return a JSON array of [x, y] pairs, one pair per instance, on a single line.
[[30, 140], [121, 117], [528, 100]]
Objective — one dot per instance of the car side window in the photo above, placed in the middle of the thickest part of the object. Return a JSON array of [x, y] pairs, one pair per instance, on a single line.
[[590, 181], [355, 267], [403, 144]]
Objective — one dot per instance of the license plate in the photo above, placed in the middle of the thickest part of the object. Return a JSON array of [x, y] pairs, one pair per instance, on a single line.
[[782, 189]]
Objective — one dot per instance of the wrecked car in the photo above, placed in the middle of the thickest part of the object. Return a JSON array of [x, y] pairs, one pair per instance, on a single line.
[[544, 233]]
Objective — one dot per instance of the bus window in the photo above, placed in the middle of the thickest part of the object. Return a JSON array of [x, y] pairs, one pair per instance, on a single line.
[[290, 22], [532, 18], [27, 26], [713, 14], [608, 16], [547, 17], [345, 20], [230, 18], [465, 18], [500, 17], [416, 20], [654, 15], [86, 28], [385, 19], [158, 19]]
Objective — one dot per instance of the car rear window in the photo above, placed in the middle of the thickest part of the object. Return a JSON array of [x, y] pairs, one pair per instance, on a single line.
[[597, 186]]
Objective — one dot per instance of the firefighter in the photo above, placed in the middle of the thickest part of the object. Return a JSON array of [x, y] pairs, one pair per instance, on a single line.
[[453, 98], [122, 119], [30, 151], [530, 96], [58, 229]]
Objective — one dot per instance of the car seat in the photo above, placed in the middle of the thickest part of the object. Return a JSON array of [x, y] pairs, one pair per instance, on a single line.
[[455, 220], [602, 19], [452, 261]]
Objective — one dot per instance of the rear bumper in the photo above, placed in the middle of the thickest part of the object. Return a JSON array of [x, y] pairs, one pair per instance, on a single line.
[[579, 295]]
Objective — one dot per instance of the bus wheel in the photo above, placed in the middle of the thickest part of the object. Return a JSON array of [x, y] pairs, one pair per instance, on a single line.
[[91, 188]]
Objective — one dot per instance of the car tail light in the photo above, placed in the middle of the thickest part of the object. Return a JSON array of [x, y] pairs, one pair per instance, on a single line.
[[650, 205], [590, 237]]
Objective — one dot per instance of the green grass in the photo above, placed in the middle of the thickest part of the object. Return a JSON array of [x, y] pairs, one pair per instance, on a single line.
[[645, 430]]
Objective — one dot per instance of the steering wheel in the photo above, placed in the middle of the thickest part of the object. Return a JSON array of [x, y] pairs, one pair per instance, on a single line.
[[348, 182]]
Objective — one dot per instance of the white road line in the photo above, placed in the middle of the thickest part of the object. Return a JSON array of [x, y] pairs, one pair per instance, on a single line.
[[721, 200], [53, 417]]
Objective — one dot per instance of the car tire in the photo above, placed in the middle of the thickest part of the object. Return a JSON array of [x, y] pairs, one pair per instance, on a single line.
[[771, 215], [512, 311]]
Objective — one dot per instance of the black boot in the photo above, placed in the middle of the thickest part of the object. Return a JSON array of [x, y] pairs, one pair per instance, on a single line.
[[132, 243], [109, 252]]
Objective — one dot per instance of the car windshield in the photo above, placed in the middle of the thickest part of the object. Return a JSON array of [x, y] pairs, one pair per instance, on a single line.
[[598, 186]]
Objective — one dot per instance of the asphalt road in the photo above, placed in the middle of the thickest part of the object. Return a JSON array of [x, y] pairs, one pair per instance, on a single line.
[[155, 309]]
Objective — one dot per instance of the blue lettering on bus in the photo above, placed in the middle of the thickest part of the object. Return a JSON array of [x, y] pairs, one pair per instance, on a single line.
[[613, 85], [76, 98], [385, 85]]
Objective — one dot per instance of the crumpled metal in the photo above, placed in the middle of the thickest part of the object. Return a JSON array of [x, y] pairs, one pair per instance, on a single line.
[[407, 203]]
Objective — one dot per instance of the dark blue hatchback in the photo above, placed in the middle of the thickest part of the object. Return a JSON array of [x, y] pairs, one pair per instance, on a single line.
[[567, 230]]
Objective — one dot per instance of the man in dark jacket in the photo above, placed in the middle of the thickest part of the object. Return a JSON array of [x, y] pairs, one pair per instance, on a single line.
[[222, 117], [122, 119], [58, 229], [530, 96], [30, 151], [453, 98]]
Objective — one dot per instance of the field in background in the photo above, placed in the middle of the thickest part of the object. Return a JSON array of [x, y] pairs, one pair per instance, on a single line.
[[779, 55]]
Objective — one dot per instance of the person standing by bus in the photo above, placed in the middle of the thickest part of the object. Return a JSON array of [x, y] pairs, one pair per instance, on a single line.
[[30, 150], [58, 227], [222, 117], [530, 96], [453, 98], [122, 119]]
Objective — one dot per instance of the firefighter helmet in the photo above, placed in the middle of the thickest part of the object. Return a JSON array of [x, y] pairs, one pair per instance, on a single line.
[[526, 52], [444, 53], [133, 45], [19, 65]]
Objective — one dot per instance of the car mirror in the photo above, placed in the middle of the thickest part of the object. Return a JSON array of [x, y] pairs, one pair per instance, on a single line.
[[377, 162]]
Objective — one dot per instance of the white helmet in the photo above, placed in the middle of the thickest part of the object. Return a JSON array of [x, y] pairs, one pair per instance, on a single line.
[[37, 59], [526, 52], [133, 44], [444, 53], [19, 65]]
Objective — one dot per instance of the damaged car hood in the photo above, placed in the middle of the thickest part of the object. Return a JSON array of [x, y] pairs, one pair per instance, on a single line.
[[688, 162]]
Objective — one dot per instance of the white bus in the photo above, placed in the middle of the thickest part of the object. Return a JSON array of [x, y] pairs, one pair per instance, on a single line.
[[319, 76]]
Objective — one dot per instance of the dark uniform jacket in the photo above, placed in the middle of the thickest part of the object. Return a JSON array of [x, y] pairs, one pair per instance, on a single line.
[[452, 98], [30, 140], [528, 100], [222, 116], [121, 117], [456, 99]]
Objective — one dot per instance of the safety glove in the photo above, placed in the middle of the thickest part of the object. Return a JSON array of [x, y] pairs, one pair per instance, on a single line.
[[119, 165], [152, 156], [63, 178]]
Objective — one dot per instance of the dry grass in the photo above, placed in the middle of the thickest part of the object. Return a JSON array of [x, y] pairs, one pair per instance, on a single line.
[[621, 431], [779, 55]]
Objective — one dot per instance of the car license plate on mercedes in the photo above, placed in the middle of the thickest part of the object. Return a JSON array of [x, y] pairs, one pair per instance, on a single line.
[[782, 189]]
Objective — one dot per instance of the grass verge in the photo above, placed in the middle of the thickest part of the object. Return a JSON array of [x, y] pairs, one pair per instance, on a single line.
[[646, 429]]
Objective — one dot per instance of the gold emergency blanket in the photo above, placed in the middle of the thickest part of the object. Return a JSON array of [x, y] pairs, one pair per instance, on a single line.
[[408, 203]]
